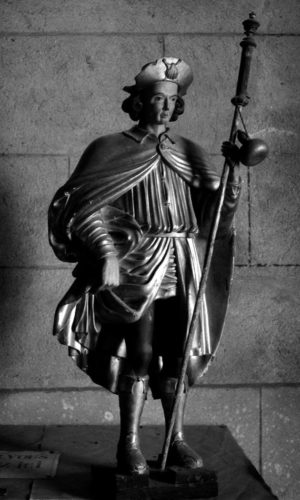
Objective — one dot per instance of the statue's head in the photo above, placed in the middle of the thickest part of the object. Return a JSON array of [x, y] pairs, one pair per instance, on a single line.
[[157, 93]]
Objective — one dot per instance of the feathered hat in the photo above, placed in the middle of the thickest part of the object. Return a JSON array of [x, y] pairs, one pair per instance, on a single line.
[[166, 69]]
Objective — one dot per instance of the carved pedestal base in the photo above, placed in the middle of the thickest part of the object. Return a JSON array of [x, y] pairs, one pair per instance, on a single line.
[[173, 483], [236, 476]]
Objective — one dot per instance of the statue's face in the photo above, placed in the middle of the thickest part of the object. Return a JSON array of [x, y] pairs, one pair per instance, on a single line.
[[160, 104]]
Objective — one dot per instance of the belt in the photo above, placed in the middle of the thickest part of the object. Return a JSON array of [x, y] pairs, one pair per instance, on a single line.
[[184, 234]]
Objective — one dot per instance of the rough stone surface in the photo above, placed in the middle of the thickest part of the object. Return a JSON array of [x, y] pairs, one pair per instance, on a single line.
[[259, 343], [280, 440], [275, 211], [242, 224], [30, 355], [66, 91], [236, 408], [146, 16], [14, 437], [273, 111], [27, 186]]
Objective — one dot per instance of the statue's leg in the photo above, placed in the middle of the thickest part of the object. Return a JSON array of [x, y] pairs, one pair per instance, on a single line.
[[171, 326], [132, 391], [138, 339], [132, 395], [180, 452]]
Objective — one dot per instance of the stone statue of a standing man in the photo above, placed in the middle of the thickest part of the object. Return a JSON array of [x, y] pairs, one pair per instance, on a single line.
[[135, 216]]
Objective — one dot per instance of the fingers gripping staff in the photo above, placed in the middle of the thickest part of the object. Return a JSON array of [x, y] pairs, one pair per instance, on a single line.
[[251, 153]]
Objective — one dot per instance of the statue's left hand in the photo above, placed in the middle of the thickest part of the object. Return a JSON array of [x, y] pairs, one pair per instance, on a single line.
[[231, 153]]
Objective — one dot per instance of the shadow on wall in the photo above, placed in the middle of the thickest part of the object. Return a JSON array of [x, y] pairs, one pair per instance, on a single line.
[[14, 278]]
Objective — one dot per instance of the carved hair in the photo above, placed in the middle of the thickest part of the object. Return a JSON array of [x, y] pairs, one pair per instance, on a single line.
[[133, 105]]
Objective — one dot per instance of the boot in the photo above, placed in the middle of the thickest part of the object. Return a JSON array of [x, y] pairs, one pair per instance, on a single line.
[[132, 395], [180, 453]]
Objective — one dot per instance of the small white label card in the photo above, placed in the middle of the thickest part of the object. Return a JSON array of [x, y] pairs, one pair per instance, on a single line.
[[28, 464]]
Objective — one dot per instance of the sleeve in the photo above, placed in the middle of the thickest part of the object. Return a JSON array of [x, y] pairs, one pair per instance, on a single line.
[[207, 201], [93, 235], [231, 201]]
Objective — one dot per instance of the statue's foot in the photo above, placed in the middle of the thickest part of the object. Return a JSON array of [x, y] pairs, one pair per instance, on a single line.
[[182, 455], [130, 459]]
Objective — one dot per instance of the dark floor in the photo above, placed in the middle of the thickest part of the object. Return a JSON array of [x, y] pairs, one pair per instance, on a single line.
[[83, 446]]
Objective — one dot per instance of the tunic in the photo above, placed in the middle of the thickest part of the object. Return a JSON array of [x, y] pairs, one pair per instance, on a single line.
[[161, 204]]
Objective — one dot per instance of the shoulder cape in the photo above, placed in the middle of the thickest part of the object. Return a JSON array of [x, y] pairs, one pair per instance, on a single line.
[[111, 166]]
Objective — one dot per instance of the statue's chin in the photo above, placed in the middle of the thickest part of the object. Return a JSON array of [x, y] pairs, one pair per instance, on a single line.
[[164, 121]]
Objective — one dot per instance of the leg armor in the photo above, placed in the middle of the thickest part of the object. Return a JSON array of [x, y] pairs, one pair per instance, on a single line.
[[132, 395]]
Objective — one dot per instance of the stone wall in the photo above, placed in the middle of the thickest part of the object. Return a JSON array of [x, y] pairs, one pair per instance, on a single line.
[[64, 64]]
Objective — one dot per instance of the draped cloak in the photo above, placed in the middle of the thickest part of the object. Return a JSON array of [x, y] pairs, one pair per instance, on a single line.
[[111, 167]]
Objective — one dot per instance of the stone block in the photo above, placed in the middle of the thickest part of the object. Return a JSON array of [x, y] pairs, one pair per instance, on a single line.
[[273, 84], [59, 407], [15, 438], [274, 112], [259, 343], [280, 440], [30, 356], [242, 224], [147, 16], [238, 408], [66, 91], [27, 186], [275, 211]]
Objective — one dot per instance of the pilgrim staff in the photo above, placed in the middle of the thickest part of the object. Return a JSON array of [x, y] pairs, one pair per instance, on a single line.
[[252, 152]]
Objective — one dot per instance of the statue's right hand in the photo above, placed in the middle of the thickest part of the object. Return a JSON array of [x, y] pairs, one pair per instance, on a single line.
[[110, 272]]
